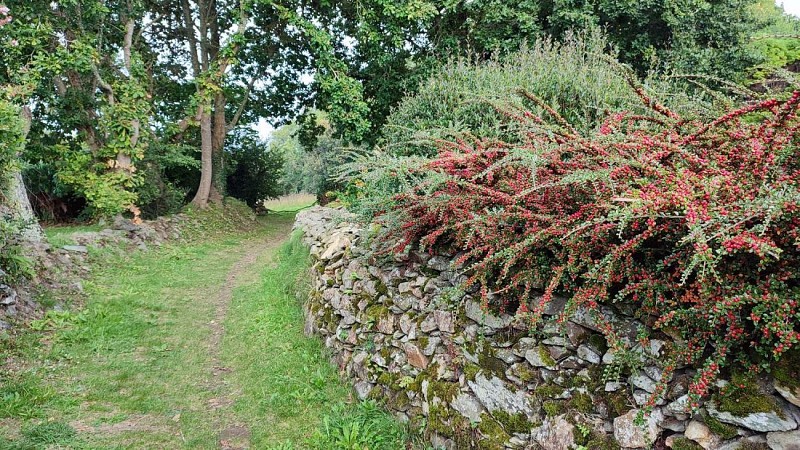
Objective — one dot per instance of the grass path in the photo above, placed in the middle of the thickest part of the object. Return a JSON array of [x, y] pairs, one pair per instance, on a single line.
[[197, 346]]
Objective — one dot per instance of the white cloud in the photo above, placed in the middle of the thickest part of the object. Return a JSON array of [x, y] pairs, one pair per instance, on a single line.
[[790, 6]]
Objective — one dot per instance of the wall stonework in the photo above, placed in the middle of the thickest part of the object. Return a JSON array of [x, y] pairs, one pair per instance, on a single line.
[[406, 335]]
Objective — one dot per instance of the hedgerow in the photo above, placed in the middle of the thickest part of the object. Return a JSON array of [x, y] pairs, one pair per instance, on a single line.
[[692, 224]]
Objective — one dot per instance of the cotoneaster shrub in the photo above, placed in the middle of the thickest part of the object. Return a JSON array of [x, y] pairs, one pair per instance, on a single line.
[[692, 224]]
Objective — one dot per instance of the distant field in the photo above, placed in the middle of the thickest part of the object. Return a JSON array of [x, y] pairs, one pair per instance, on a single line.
[[290, 202]]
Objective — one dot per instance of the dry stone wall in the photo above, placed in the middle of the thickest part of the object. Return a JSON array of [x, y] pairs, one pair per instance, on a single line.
[[407, 335]]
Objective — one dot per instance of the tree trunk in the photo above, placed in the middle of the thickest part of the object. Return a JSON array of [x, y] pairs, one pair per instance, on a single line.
[[17, 195], [206, 148], [218, 146]]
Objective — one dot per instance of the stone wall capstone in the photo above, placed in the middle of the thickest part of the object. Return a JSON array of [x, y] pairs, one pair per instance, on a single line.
[[406, 334]]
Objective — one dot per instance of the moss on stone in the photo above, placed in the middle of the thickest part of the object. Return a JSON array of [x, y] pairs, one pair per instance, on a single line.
[[328, 317], [512, 423], [553, 408], [376, 312], [602, 442], [526, 374], [787, 370], [617, 403], [423, 342], [598, 342], [544, 355], [471, 371], [548, 390], [399, 401], [744, 398], [494, 436], [683, 443], [490, 364], [581, 402], [722, 430], [381, 288], [444, 390]]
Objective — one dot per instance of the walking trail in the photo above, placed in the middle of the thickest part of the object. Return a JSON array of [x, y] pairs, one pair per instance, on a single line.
[[195, 346]]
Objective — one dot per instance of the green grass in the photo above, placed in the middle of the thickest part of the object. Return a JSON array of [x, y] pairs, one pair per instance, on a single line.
[[284, 376], [290, 203], [60, 235], [132, 369]]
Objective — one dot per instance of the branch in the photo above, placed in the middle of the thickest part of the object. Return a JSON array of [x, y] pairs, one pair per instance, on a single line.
[[190, 36], [126, 49], [103, 85], [242, 105]]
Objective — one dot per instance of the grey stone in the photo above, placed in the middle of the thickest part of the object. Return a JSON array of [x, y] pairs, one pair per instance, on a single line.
[[557, 352], [444, 321], [792, 395], [631, 435], [642, 381], [613, 386], [673, 424], [363, 388], [535, 358], [428, 324], [789, 440], [757, 441], [494, 395], [386, 324], [438, 263], [76, 248], [680, 406], [555, 306], [556, 433], [758, 421], [336, 246], [468, 406], [588, 354], [699, 433], [474, 311]]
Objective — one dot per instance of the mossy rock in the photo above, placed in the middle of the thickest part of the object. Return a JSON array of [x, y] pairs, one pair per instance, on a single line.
[[787, 370], [617, 403], [602, 442], [377, 312], [745, 398], [581, 402], [548, 391], [722, 430], [444, 390], [683, 443], [492, 365], [598, 342], [512, 423], [494, 435], [553, 408], [381, 288], [526, 374], [544, 355], [471, 371]]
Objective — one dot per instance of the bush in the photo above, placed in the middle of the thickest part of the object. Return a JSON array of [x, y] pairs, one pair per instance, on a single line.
[[255, 171], [575, 77], [693, 224]]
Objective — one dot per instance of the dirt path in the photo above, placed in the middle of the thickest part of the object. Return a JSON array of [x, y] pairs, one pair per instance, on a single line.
[[233, 433]]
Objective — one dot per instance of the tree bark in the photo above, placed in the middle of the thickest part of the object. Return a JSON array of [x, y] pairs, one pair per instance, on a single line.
[[206, 156], [17, 195], [218, 144]]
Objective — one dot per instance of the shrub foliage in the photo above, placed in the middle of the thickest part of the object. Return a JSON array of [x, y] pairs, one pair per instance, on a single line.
[[691, 223]]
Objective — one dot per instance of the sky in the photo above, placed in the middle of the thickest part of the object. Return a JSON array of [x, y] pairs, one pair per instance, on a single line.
[[790, 6]]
